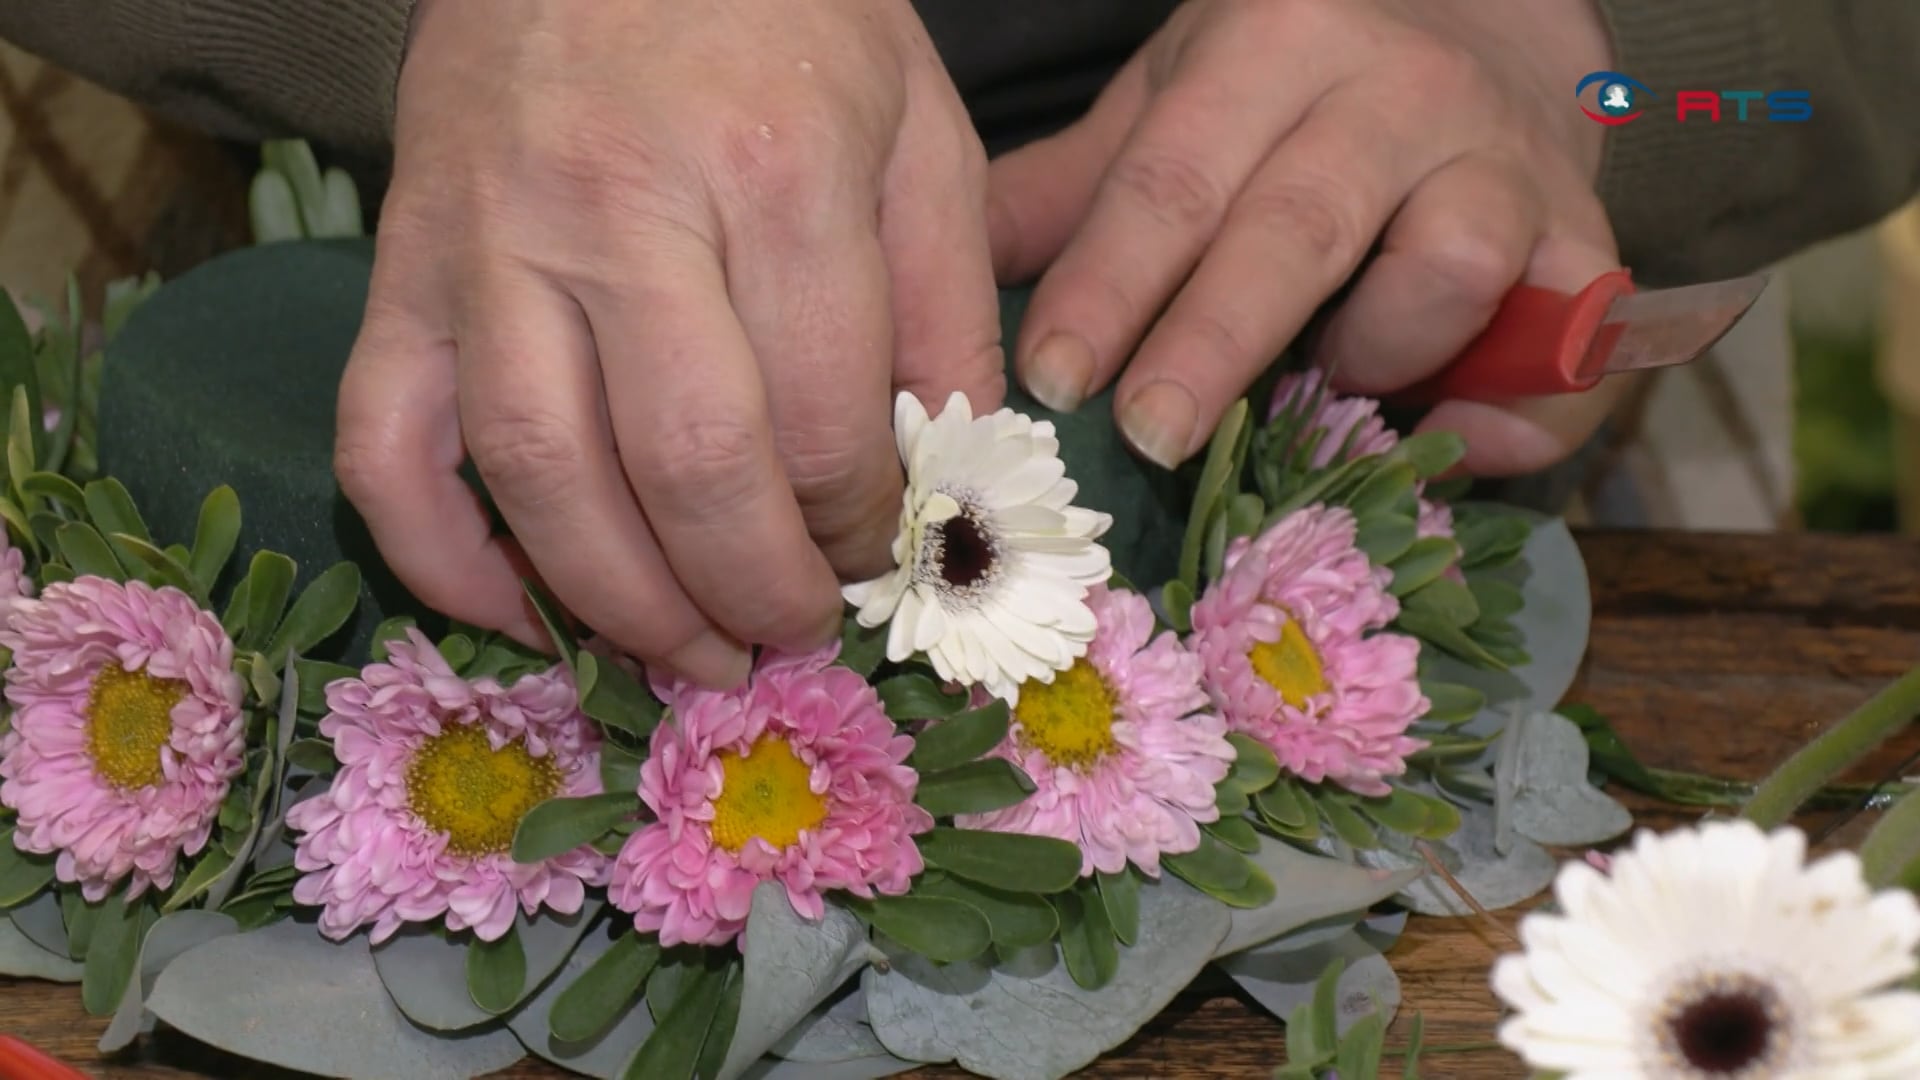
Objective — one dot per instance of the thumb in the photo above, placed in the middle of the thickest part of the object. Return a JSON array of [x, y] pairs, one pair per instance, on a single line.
[[1037, 194]]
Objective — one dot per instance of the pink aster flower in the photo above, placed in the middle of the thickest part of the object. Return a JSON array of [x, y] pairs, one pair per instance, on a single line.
[[1352, 423], [436, 774], [126, 730], [15, 585], [797, 777], [1121, 748], [1292, 640]]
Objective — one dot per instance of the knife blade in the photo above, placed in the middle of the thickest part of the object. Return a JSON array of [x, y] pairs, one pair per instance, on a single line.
[[1543, 342]]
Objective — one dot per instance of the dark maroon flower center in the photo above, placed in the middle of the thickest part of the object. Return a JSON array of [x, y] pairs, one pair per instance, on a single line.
[[963, 552], [1726, 1028]]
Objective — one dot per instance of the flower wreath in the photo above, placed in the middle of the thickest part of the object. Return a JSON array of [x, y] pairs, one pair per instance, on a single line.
[[1002, 822]]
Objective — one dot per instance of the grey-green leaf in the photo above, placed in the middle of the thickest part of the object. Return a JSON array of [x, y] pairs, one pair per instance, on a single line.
[[1282, 977], [234, 993], [1026, 1017], [170, 936], [426, 972], [1553, 801], [791, 965], [626, 1025], [1494, 879]]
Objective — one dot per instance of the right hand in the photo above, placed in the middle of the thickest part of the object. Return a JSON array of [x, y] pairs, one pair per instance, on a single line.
[[659, 268]]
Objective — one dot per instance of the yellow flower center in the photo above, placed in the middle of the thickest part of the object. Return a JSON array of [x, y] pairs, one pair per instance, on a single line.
[[460, 785], [129, 719], [1290, 665], [765, 794], [1069, 719]]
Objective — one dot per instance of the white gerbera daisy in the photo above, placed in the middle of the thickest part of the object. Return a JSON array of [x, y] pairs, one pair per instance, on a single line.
[[992, 562], [1717, 952]]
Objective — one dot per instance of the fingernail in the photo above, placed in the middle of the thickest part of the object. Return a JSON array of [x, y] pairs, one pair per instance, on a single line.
[[1159, 422], [1060, 372], [714, 661]]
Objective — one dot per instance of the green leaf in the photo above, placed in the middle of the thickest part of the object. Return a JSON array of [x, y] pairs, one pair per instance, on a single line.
[[1213, 553], [16, 357], [234, 619], [80, 918], [215, 861], [22, 525], [614, 697], [1489, 539], [1386, 537], [1254, 768], [1231, 801], [1495, 599], [1452, 703], [1235, 832], [313, 755], [1346, 822], [1211, 488], [1285, 804], [554, 618], [557, 826], [1424, 562], [961, 738], [1383, 491], [22, 433], [974, 788], [315, 677], [1213, 867], [87, 552], [596, 999], [1086, 938], [862, 647], [916, 697], [1326, 1006], [1429, 452], [160, 567], [113, 952], [1244, 515], [269, 582], [457, 650], [1448, 637], [50, 485], [713, 1052], [323, 607], [1011, 861], [1018, 920], [1120, 894], [619, 767], [22, 876], [1363, 1046], [1403, 811], [1416, 1034], [113, 511], [1448, 600], [497, 971], [1176, 598], [1256, 892], [672, 1052], [942, 930], [393, 628]]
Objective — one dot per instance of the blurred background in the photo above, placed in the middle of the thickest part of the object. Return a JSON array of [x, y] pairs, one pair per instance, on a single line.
[[1807, 416]]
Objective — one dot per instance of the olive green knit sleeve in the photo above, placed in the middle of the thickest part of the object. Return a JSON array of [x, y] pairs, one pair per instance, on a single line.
[[1695, 200], [246, 69]]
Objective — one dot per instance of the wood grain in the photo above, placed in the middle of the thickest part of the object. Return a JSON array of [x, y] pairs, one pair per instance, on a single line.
[[1713, 653]]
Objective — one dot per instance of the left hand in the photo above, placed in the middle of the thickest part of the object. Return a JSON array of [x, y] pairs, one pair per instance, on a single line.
[[1244, 163]]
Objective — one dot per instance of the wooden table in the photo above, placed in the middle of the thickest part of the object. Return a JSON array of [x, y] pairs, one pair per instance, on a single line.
[[1711, 653]]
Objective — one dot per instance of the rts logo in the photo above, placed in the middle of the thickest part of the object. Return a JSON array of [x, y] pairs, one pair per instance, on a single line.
[[1620, 99]]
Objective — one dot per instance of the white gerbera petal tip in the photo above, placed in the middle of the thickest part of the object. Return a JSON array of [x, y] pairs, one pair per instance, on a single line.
[[993, 564], [1717, 952]]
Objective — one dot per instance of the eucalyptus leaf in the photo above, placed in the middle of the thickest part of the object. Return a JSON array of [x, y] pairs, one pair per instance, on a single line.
[[1308, 888], [169, 937], [1026, 1019], [1495, 880], [425, 971], [20, 958], [960, 738], [1282, 977], [832, 1033], [868, 1068], [237, 993], [44, 924], [618, 1038], [1554, 803], [791, 965]]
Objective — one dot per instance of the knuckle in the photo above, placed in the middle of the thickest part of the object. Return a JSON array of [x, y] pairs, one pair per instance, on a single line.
[[527, 453], [595, 163], [362, 466], [1173, 189], [707, 462], [1217, 335], [1307, 216], [772, 160], [1441, 69], [1473, 260]]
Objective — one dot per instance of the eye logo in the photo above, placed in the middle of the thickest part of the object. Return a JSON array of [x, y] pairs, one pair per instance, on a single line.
[[1618, 98]]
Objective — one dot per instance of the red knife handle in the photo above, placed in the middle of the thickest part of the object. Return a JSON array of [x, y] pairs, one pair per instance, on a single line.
[[1532, 347], [20, 1061]]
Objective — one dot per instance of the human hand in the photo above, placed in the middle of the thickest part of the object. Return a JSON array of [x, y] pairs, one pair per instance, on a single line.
[[1240, 168], [658, 268]]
